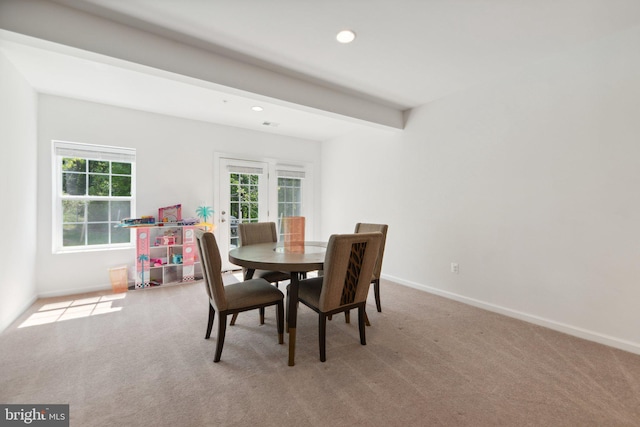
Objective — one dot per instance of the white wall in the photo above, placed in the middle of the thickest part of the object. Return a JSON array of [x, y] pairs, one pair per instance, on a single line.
[[175, 164], [17, 193], [530, 184]]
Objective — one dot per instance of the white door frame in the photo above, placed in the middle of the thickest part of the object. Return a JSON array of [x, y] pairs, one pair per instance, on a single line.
[[225, 222]]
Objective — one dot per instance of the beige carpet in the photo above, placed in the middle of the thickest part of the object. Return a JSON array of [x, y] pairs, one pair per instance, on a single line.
[[143, 361]]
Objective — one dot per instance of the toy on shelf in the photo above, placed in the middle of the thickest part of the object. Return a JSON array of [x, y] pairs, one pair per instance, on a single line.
[[170, 213], [165, 240], [169, 238], [157, 262], [144, 220], [189, 221], [204, 212]]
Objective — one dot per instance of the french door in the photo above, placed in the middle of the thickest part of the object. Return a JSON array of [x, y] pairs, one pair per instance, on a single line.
[[257, 191], [244, 197]]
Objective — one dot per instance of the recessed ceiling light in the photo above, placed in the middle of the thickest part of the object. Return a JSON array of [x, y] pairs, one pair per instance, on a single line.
[[257, 108], [346, 36]]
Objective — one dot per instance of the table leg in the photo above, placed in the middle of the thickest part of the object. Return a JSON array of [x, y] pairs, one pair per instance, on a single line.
[[292, 316]]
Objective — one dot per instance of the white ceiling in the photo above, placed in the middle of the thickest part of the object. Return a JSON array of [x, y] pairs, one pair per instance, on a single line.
[[407, 52]]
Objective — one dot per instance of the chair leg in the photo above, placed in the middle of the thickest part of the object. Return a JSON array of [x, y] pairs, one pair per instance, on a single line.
[[234, 316], [222, 328], [366, 319], [322, 336], [376, 292], [347, 316], [261, 309], [286, 319], [280, 320], [361, 315], [212, 315]]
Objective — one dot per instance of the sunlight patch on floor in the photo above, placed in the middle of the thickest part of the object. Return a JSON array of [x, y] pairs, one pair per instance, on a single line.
[[73, 309]]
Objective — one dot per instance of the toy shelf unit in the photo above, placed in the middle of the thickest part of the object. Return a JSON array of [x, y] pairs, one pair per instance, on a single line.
[[166, 254]]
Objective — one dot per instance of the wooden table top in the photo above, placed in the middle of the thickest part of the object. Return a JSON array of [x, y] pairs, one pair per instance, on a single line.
[[278, 257]]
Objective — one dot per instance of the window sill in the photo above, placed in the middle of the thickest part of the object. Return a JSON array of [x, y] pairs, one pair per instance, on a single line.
[[86, 249]]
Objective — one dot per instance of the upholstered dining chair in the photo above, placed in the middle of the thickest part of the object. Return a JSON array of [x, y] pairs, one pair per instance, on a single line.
[[348, 267], [252, 233], [375, 279], [234, 298]]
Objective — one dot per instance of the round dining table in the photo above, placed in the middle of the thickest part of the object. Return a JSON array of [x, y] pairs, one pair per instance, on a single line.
[[296, 259]]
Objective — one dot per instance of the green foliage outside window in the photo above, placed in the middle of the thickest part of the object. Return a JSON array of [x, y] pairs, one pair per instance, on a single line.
[[90, 208], [244, 197]]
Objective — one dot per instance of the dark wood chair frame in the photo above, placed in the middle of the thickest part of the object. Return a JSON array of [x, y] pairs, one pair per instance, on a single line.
[[222, 323], [322, 324]]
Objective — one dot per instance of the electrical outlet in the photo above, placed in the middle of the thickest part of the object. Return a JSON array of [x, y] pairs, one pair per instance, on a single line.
[[455, 268]]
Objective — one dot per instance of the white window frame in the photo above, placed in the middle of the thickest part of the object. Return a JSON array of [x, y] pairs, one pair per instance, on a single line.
[[294, 172], [62, 149]]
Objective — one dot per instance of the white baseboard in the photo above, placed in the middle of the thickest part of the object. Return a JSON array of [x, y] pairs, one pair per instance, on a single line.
[[4, 324], [74, 291], [536, 320]]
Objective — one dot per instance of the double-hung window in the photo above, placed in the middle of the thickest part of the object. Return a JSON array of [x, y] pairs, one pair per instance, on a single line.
[[94, 189]]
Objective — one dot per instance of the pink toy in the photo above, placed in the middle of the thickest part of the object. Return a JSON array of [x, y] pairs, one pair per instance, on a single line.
[[165, 240]]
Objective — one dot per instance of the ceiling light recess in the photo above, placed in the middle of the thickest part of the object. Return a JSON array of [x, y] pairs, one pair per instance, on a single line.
[[346, 36]]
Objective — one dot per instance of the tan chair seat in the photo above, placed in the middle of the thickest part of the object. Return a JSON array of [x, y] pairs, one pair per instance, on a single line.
[[251, 292]]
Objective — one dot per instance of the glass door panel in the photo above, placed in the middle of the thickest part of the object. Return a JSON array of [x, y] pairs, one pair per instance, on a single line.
[[243, 198]]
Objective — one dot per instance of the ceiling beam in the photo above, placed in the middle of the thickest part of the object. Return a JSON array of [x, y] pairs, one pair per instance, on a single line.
[[79, 29]]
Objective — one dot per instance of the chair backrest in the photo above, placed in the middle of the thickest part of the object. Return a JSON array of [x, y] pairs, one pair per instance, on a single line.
[[370, 228], [212, 268], [252, 233], [348, 266]]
